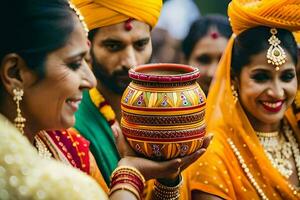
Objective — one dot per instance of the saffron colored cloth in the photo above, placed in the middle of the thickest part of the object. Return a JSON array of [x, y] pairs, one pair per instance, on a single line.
[[72, 149], [92, 125], [68, 147], [297, 38], [244, 14], [219, 171], [28, 176], [99, 13]]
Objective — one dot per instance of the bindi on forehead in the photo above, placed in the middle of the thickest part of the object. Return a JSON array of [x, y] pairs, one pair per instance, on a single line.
[[214, 35], [128, 24]]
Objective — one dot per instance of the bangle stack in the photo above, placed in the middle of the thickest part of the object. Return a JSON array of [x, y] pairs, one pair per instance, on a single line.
[[129, 179], [162, 192]]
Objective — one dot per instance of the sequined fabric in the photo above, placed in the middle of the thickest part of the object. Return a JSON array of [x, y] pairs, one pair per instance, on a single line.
[[24, 175]]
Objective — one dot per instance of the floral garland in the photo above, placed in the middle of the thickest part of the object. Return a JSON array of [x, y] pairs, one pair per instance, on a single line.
[[103, 106]]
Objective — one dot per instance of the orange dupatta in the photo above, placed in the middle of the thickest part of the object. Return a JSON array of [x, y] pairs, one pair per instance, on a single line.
[[219, 172]]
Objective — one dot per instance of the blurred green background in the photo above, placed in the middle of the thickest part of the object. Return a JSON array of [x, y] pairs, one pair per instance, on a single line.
[[211, 6]]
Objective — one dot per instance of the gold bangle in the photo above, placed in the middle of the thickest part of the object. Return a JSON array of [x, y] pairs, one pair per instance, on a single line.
[[168, 188], [163, 197], [127, 187], [166, 192], [129, 169]]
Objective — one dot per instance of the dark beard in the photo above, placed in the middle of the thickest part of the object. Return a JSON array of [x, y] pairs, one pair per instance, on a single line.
[[111, 81]]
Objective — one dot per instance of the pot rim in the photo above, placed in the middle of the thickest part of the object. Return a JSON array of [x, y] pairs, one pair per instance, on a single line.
[[192, 73]]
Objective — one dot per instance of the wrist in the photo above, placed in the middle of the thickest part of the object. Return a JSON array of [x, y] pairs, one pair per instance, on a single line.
[[170, 182], [129, 179], [164, 191]]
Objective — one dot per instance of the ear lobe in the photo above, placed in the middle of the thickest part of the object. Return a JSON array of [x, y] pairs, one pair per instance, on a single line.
[[11, 69]]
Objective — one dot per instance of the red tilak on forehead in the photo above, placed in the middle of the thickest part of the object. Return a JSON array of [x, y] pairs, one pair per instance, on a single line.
[[128, 25], [214, 35]]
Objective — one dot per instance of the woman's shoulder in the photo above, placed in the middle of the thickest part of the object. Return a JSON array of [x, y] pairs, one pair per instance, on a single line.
[[25, 175]]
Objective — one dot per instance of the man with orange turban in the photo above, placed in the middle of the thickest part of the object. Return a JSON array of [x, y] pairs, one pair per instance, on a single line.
[[119, 32], [241, 162]]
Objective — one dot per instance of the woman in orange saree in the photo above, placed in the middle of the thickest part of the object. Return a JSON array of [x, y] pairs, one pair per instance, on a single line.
[[255, 151]]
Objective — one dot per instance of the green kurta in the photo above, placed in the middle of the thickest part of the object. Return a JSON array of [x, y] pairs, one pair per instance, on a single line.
[[93, 126]]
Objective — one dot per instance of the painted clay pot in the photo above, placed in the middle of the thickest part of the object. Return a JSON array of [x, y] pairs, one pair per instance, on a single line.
[[163, 111]]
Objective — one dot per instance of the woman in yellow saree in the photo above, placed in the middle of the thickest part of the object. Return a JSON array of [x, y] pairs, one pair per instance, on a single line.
[[255, 151]]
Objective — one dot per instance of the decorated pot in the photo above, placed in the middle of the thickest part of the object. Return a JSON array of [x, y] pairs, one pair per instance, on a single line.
[[163, 111]]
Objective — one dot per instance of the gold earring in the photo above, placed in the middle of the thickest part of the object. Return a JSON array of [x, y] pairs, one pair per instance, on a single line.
[[234, 94], [19, 120], [275, 55]]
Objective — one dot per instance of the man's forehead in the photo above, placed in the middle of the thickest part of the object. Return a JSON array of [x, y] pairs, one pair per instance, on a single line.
[[138, 30]]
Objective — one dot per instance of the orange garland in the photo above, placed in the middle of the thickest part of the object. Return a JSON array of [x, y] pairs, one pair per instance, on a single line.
[[104, 108]]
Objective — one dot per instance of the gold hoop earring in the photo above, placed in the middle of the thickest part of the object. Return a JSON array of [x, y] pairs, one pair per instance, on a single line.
[[19, 120], [234, 94]]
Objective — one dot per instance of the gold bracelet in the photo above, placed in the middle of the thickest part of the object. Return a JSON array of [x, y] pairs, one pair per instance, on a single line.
[[127, 187], [168, 188], [129, 169], [166, 192], [160, 197], [175, 194]]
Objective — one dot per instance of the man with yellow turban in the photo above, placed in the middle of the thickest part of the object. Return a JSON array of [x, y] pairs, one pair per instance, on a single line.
[[254, 154], [119, 32]]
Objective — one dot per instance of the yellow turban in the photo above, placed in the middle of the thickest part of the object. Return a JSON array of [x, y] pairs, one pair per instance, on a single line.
[[99, 13], [245, 14], [297, 37]]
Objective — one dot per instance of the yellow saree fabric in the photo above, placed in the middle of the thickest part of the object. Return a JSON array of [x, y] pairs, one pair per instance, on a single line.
[[25, 175], [219, 171], [96, 174], [297, 37], [99, 13]]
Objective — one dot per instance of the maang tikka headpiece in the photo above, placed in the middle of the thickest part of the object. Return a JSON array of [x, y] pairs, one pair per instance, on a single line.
[[275, 55], [80, 16]]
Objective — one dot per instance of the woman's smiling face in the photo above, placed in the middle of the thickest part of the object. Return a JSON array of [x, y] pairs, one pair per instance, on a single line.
[[52, 101], [265, 93]]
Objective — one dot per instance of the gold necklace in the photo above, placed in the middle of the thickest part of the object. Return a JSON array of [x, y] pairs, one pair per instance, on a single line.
[[267, 134], [278, 151], [295, 147], [42, 148]]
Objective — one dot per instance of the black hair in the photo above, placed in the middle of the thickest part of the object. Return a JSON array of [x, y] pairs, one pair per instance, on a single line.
[[34, 28], [92, 34], [254, 41], [200, 28]]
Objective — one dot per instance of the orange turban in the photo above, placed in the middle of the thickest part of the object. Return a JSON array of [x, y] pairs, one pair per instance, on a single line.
[[99, 13], [245, 14], [297, 37]]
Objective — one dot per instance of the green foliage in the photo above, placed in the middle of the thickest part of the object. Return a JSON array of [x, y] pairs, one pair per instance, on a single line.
[[212, 6]]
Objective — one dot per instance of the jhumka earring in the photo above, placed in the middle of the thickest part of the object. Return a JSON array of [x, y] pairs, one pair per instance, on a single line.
[[19, 120], [275, 55], [234, 94]]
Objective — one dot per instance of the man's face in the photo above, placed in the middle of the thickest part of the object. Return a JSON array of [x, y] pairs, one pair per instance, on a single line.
[[116, 49]]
